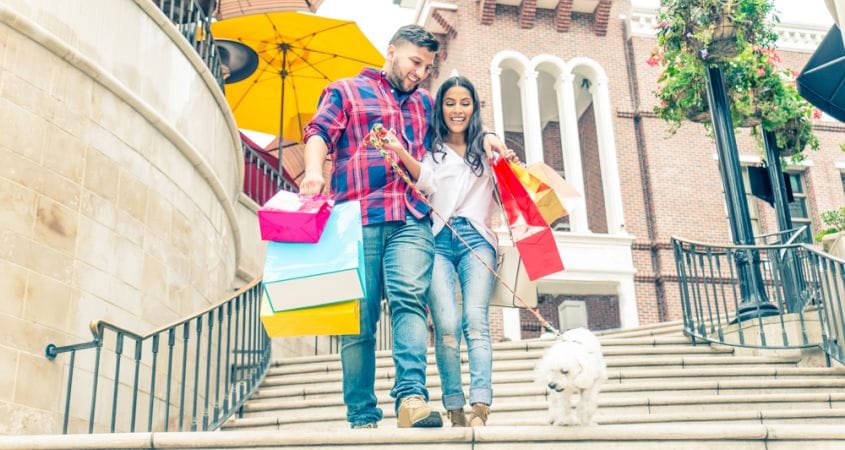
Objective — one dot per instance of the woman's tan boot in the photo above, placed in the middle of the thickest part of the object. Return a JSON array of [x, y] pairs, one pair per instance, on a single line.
[[478, 416], [458, 418]]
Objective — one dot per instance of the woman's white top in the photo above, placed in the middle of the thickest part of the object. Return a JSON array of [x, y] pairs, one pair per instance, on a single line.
[[455, 191]]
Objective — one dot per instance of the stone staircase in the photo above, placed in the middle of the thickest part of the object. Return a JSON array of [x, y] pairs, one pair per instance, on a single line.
[[662, 391]]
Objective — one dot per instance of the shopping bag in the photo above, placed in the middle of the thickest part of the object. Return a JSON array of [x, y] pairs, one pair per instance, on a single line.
[[290, 217], [337, 318], [544, 197], [511, 270], [565, 192], [298, 275], [529, 231]]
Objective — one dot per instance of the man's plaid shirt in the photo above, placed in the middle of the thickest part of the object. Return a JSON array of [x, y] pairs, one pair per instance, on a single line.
[[347, 111]]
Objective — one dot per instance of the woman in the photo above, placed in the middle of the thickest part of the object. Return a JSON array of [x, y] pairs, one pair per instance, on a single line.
[[457, 176]]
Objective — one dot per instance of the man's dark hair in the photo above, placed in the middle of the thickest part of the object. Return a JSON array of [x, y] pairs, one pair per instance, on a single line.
[[417, 35]]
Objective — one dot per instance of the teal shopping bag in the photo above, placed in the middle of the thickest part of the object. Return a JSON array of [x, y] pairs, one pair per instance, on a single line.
[[304, 275]]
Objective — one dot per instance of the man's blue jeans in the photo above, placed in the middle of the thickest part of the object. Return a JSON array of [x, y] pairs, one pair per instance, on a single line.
[[477, 283], [398, 262]]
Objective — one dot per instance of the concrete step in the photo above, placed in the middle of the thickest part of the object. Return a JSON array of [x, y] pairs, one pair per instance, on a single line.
[[311, 388], [328, 373], [635, 437], [609, 346], [505, 419], [305, 366], [322, 410], [525, 383]]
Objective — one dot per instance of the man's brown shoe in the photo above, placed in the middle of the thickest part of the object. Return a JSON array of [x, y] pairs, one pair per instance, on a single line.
[[415, 412]]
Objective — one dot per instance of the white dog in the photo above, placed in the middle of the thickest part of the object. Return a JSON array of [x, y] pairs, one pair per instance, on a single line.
[[573, 370]]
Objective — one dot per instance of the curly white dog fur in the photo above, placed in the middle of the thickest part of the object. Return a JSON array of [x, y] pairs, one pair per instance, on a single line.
[[573, 370]]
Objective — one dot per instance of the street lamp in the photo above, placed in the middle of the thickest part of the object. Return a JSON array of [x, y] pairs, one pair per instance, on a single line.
[[753, 300]]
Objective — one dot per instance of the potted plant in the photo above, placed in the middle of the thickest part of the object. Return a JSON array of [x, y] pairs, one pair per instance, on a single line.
[[788, 116], [831, 237], [714, 30]]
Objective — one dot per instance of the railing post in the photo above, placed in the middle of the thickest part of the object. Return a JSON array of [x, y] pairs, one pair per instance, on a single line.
[[754, 302]]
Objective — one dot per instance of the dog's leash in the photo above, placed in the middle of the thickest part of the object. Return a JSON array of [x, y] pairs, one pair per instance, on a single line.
[[376, 139]]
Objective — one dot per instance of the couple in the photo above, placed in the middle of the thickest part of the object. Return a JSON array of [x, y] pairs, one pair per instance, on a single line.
[[407, 258]]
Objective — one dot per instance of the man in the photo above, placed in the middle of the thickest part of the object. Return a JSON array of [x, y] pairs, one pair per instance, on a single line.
[[398, 243]]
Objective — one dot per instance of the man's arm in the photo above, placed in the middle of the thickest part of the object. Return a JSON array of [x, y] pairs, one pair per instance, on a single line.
[[315, 153], [326, 127]]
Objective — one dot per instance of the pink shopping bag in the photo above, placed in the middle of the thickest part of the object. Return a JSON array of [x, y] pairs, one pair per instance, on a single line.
[[290, 217]]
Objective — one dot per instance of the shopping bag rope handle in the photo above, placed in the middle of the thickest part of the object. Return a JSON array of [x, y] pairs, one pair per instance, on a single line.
[[535, 311]]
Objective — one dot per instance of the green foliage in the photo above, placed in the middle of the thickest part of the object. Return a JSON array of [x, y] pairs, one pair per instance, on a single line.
[[692, 32], [694, 26], [835, 221]]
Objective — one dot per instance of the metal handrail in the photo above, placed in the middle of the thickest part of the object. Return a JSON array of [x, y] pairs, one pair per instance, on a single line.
[[806, 285], [194, 23], [262, 180], [246, 349]]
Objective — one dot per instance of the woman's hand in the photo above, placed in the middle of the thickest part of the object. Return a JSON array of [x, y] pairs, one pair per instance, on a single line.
[[392, 143], [511, 156]]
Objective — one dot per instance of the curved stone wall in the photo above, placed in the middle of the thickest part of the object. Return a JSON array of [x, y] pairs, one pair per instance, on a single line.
[[120, 179]]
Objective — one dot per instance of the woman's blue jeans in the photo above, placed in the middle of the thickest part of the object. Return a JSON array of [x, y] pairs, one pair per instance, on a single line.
[[452, 258], [398, 261]]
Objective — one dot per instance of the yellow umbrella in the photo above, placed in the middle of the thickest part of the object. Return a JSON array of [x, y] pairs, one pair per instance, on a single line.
[[227, 9], [298, 55]]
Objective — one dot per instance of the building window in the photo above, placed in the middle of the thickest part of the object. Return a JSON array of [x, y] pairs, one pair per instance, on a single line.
[[799, 209], [842, 178]]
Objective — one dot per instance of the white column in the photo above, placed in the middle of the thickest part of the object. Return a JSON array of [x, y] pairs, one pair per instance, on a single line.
[[532, 133], [511, 324], [628, 316], [498, 113], [571, 149], [607, 157]]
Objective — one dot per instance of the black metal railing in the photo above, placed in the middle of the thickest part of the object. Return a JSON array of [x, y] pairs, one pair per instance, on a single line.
[[192, 18], [261, 177], [191, 375], [806, 285]]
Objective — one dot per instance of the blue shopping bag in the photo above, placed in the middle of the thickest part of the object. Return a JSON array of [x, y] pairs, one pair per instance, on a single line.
[[303, 275]]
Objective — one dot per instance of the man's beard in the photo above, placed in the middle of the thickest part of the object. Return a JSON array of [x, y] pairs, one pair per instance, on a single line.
[[396, 80]]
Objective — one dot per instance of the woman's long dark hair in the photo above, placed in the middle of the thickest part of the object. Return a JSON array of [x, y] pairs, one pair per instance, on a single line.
[[475, 150]]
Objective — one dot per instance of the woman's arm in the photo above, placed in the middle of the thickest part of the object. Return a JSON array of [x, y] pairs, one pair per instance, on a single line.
[[420, 172]]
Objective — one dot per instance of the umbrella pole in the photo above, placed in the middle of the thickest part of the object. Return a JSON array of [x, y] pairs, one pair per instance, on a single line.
[[283, 75]]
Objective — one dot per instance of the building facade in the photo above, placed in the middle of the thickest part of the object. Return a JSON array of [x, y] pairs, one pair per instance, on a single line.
[[566, 82]]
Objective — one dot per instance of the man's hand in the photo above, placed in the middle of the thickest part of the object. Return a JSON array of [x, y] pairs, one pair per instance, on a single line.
[[312, 183]]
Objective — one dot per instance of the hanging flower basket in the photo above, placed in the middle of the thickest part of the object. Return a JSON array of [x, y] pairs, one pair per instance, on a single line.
[[698, 115], [794, 141], [722, 44]]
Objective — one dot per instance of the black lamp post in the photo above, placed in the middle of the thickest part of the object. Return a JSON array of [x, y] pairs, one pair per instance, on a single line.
[[791, 277], [753, 300]]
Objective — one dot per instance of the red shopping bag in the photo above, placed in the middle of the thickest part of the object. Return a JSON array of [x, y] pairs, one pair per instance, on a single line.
[[530, 232]]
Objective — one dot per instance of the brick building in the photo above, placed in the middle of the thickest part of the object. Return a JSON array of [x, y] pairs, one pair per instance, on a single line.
[[566, 82]]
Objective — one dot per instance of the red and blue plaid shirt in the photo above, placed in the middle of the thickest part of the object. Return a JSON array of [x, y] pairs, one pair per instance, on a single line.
[[347, 111]]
